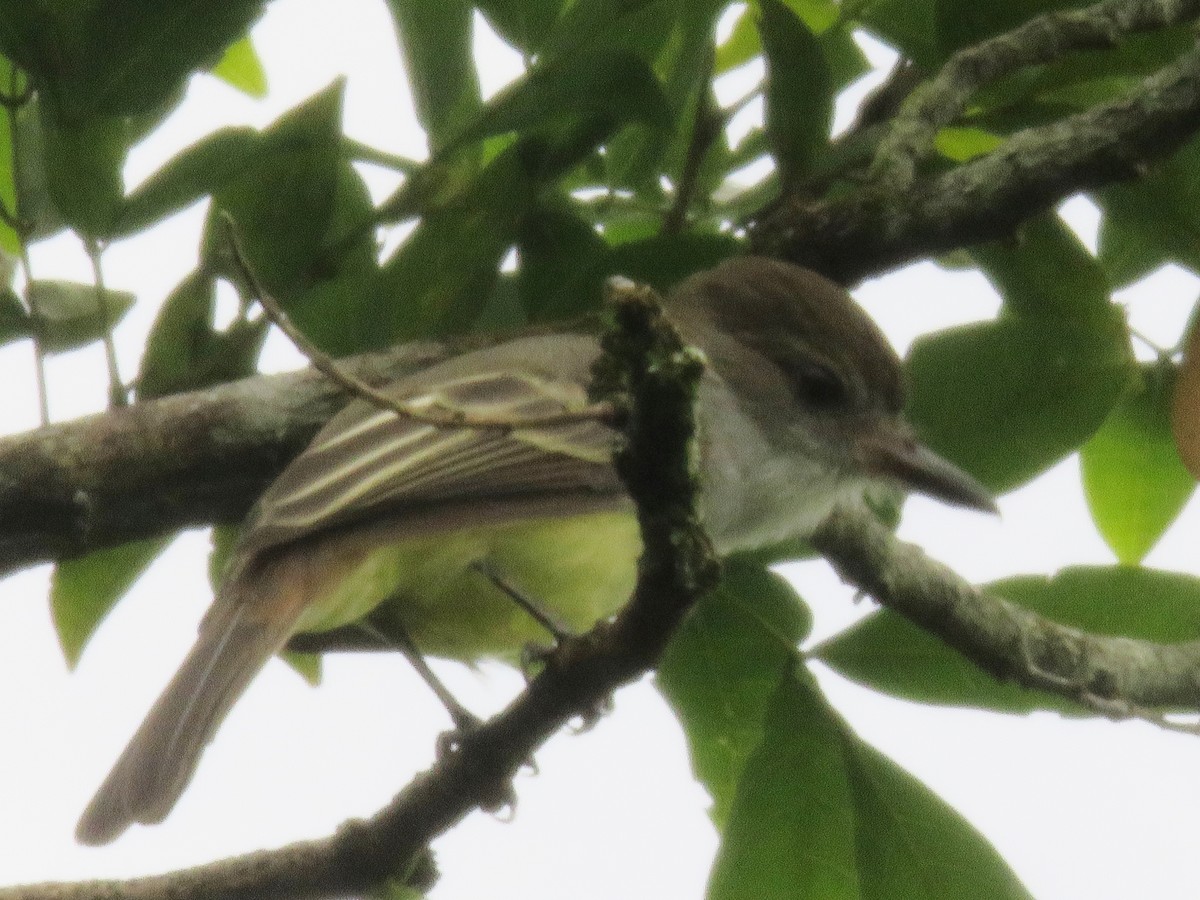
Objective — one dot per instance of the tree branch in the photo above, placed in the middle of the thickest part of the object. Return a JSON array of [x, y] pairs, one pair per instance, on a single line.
[[161, 465], [1116, 676], [874, 229]]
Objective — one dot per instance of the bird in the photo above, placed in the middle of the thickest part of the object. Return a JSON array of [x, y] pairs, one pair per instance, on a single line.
[[398, 521]]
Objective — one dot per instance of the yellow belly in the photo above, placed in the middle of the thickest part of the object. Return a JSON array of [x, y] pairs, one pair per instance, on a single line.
[[579, 569]]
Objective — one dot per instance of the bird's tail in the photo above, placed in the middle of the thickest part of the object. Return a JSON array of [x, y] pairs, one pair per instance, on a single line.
[[236, 639]]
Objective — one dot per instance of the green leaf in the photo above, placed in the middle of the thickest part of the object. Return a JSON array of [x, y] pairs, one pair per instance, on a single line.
[[1154, 219], [908, 25], [1133, 477], [911, 843], [1047, 272], [200, 169], [70, 315], [799, 91], [241, 68], [963, 144], [284, 200], [439, 280], [560, 254], [741, 46], [438, 56], [184, 352], [1008, 399], [127, 57], [887, 652], [721, 669], [82, 591], [82, 160], [791, 832], [614, 86]]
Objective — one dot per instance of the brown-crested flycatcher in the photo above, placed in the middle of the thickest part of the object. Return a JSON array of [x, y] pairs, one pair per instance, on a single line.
[[799, 407]]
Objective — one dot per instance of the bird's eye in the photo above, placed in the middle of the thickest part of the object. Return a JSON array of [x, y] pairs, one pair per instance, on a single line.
[[817, 385]]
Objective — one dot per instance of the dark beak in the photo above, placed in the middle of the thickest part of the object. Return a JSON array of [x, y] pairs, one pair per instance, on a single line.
[[890, 450]]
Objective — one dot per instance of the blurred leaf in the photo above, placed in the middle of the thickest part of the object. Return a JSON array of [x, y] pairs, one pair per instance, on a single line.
[[1153, 219], [741, 46], [200, 169], [910, 26], [83, 159], [241, 68], [439, 280], [559, 254], [307, 665], [1008, 399], [616, 86], [888, 653], [961, 23], [663, 260], [1047, 272], [963, 144], [69, 313], [799, 91], [1185, 407], [185, 352], [28, 171], [722, 667], [283, 201], [438, 56], [14, 320], [126, 57], [1132, 475], [82, 591]]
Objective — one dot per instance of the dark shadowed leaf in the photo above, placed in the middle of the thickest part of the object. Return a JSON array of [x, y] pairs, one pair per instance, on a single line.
[[1132, 475], [1185, 406], [83, 590], [525, 24]]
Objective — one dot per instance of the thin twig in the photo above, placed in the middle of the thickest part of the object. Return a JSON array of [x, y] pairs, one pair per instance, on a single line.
[[438, 416], [117, 395]]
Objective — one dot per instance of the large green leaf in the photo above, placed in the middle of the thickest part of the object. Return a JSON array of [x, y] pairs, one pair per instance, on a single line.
[[1047, 272], [82, 159], [799, 92], [1008, 399], [1133, 477], [83, 590], [890, 654], [439, 59], [911, 843], [722, 667], [820, 815], [283, 200]]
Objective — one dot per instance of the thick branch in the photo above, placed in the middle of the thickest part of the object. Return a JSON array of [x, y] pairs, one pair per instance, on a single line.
[[871, 230], [1115, 675], [940, 101], [162, 465]]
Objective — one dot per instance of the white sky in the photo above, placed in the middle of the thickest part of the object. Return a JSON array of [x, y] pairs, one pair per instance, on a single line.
[[1082, 809]]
